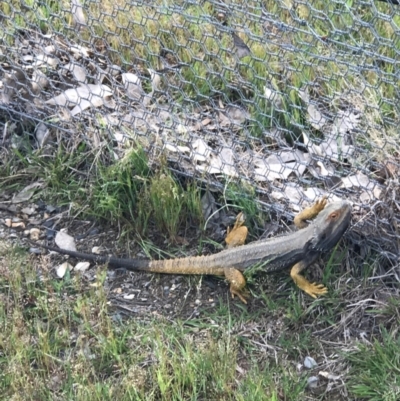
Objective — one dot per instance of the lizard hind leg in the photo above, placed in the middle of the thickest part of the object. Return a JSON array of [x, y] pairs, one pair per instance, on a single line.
[[237, 283], [312, 289]]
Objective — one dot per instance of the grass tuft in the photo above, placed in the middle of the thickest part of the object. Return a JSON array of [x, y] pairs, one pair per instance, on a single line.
[[375, 369]]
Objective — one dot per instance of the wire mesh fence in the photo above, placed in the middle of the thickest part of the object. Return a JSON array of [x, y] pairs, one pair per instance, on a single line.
[[295, 99]]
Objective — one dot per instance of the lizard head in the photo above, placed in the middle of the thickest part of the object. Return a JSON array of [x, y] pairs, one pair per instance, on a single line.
[[330, 225]]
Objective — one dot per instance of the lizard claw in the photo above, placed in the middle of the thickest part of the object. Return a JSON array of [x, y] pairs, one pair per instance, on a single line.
[[300, 220], [314, 290], [242, 295], [320, 204]]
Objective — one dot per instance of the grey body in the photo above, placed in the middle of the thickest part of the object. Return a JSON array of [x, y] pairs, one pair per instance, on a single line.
[[280, 252]]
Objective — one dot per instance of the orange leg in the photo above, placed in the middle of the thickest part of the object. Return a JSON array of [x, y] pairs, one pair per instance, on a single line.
[[312, 289], [238, 234], [236, 237]]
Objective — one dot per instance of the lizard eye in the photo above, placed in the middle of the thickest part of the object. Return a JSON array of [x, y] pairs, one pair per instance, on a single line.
[[333, 216]]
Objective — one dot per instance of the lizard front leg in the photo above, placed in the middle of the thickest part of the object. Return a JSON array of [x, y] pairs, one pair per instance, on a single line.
[[312, 289], [310, 213]]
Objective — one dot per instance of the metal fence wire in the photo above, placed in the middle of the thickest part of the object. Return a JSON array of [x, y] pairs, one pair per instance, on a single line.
[[294, 98]]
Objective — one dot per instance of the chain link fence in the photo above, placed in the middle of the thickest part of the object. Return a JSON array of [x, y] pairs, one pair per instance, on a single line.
[[296, 99]]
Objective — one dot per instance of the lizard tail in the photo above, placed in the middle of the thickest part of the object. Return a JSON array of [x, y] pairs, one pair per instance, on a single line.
[[111, 261], [128, 264]]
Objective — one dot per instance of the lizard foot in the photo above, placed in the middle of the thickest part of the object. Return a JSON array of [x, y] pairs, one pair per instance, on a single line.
[[314, 289], [238, 234], [242, 295], [310, 212], [237, 282], [319, 205]]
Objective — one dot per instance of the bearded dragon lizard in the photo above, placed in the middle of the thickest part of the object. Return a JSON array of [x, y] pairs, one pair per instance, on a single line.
[[296, 250]]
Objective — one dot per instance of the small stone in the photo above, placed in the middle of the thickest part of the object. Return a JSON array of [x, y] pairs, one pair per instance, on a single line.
[[312, 382], [309, 362], [50, 208], [12, 208], [82, 266], [34, 234], [62, 269], [97, 250], [19, 224], [28, 210]]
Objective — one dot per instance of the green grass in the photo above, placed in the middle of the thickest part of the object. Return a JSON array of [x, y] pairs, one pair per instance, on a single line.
[[375, 369], [57, 339], [124, 191]]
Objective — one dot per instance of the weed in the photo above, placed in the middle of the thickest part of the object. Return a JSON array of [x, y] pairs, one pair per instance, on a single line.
[[166, 200], [171, 204], [243, 198]]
